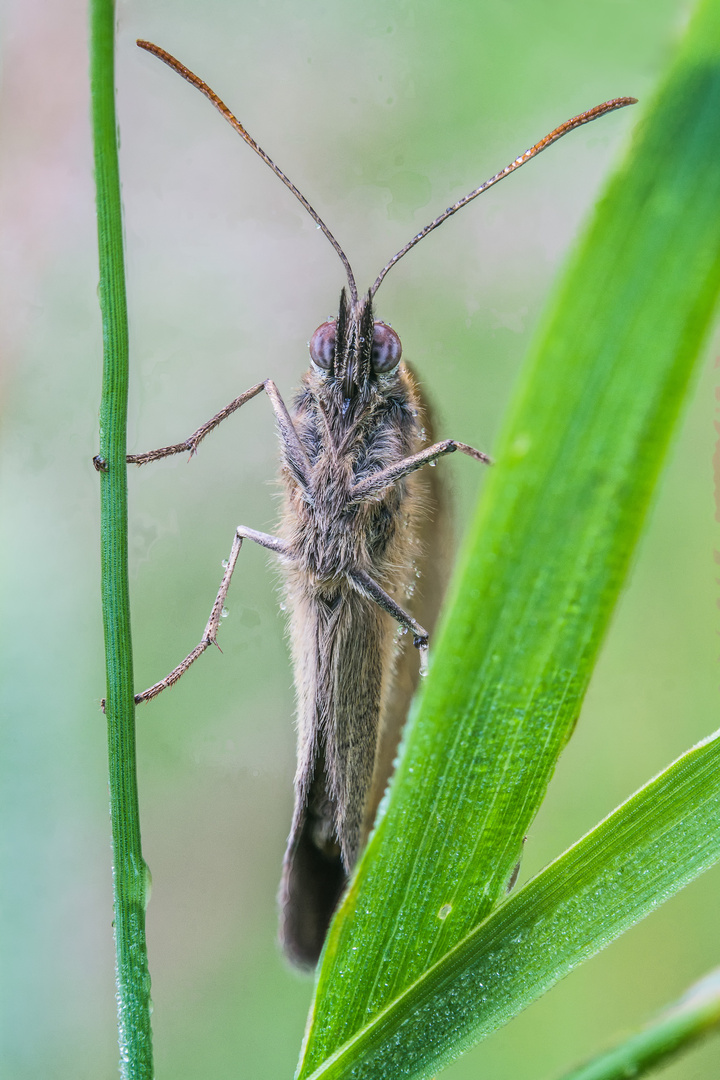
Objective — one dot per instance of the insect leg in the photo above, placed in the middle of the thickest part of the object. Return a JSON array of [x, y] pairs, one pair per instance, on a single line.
[[377, 482], [191, 444], [367, 586], [273, 543], [296, 456]]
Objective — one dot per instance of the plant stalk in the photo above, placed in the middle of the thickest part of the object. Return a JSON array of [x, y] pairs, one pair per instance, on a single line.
[[130, 877]]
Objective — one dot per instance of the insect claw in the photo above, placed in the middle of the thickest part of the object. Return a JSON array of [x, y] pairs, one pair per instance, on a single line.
[[100, 463], [420, 641]]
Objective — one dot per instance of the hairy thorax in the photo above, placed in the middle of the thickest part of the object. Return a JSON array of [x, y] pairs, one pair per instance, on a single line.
[[331, 532]]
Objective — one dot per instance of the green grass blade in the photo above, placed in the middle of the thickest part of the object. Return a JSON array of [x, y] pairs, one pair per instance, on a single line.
[[549, 551], [129, 871], [646, 850], [694, 1016]]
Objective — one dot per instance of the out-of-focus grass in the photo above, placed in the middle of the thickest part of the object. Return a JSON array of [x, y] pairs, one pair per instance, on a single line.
[[691, 1018]]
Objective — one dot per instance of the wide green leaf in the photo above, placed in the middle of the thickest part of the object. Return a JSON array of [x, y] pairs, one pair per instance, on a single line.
[[549, 551], [647, 849]]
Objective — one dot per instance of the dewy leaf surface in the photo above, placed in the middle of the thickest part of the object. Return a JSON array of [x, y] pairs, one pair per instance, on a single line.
[[646, 850], [547, 556]]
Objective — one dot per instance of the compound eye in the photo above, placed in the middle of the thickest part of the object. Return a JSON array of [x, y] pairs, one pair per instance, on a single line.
[[322, 346], [386, 348]]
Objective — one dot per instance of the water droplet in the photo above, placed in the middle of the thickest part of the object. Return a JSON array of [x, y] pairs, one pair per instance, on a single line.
[[224, 564], [283, 606], [224, 613], [433, 464], [521, 445], [444, 911]]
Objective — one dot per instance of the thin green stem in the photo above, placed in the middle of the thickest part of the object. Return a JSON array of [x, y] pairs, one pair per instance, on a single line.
[[695, 1015], [129, 870]]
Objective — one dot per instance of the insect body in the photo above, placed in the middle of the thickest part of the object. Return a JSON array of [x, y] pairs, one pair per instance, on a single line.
[[352, 529], [357, 527]]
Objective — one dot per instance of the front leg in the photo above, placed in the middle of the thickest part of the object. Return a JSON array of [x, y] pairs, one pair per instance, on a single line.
[[191, 444], [379, 481], [294, 452], [273, 543]]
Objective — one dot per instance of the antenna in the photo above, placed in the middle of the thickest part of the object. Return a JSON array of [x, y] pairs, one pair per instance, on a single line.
[[557, 133], [569, 125], [235, 123]]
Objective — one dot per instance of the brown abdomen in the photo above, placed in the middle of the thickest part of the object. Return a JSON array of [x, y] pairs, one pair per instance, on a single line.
[[355, 676]]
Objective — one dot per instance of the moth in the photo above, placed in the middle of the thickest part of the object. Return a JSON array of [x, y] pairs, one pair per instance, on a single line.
[[359, 543]]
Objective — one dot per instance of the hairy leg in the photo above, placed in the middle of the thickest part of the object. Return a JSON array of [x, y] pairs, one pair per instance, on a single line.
[[377, 482], [273, 543]]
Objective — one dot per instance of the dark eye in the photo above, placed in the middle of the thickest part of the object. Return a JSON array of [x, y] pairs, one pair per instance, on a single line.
[[322, 346], [386, 348]]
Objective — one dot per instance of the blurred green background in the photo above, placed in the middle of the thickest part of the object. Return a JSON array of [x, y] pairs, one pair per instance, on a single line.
[[382, 113]]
